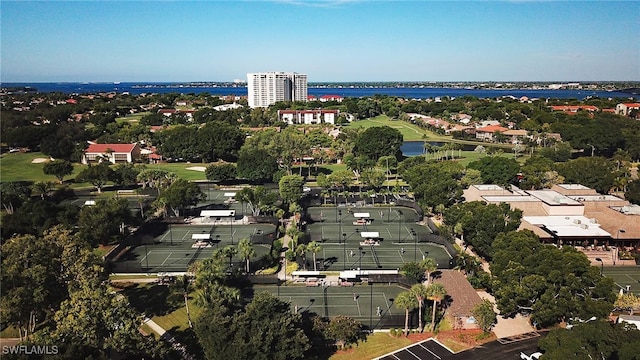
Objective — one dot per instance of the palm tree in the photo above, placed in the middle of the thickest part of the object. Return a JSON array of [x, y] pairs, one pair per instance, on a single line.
[[314, 247], [405, 300], [246, 250], [429, 265], [212, 294], [43, 188], [301, 250], [420, 292], [435, 292], [229, 251], [183, 283]]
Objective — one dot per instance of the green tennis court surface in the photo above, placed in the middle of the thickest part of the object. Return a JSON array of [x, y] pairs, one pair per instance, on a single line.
[[172, 248], [371, 238], [369, 304], [624, 276]]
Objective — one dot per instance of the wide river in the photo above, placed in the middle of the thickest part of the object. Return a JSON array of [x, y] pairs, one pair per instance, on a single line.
[[405, 92]]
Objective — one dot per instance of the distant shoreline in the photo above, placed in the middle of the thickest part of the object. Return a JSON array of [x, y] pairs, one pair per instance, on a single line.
[[347, 90]]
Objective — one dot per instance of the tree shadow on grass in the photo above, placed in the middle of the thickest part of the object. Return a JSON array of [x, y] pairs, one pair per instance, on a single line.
[[153, 299]]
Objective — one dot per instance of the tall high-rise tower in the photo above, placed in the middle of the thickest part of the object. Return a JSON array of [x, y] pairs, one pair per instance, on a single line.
[[267, 88]]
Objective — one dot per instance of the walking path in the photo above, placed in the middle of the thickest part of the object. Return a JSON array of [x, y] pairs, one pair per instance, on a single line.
[[169, 338], [282, 274]]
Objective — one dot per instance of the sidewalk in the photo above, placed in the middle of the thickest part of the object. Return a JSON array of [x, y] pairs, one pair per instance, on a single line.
[[168, 338]]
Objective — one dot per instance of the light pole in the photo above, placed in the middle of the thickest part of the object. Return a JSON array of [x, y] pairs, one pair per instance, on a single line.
[[371, 306], [601, 265], [344, 250], [339, 220], [399, 224], [415, 245], [170, 234]]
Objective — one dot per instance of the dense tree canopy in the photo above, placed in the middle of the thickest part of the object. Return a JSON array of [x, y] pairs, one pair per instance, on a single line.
[[378, 141], [595, 172], [265, 329], [435, 183], [592, 340], [550, 283], [496, 169], [291, 188], [98, 175], [481, 223], [221, 172], [103, 222], [180, 195]]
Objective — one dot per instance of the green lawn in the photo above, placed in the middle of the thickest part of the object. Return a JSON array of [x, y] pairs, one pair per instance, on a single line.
[[376, 345], [134, 118], [409, 131], [20, 167]]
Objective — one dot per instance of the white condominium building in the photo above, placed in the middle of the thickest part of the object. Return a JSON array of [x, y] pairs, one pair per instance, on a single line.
[[266, 88]]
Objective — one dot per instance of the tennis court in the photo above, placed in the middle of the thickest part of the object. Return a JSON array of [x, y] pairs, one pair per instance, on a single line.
[[372, 305], [175, 247], [624, 276], [224, 198], [372, 238], [392, 214]]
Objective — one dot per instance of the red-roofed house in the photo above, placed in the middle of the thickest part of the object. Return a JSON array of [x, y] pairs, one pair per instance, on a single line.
[[312, 98], [114, 153], [486, 133], [625, 109], [325, 98]]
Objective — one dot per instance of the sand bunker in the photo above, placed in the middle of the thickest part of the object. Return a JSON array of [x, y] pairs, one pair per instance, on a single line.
[[39, 160], [197, 168]]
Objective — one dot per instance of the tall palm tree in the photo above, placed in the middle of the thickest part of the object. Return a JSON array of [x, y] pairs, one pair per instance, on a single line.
[[183, 283], [437, 293], [405, 300], [314, 247], [301, 250], [420, 292], [429, 265], [229, 251], [246, 250]]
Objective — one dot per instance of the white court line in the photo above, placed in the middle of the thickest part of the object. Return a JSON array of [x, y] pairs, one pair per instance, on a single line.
[[386, 302], [185, 235], [165, 260]]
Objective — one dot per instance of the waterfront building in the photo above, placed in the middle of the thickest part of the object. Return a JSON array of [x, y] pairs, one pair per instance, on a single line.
[[267, 88], [627, 109], [308, 117]]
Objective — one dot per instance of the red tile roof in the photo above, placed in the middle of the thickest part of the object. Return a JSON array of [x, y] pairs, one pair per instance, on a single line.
[[116, 148], [492, 129], [632, 105]]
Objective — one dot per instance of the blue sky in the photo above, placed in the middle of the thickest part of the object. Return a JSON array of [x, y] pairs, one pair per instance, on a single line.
[[328, 40]]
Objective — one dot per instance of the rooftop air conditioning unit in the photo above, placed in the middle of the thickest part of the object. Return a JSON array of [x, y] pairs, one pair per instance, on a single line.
[[584, 226], [577, 221]]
